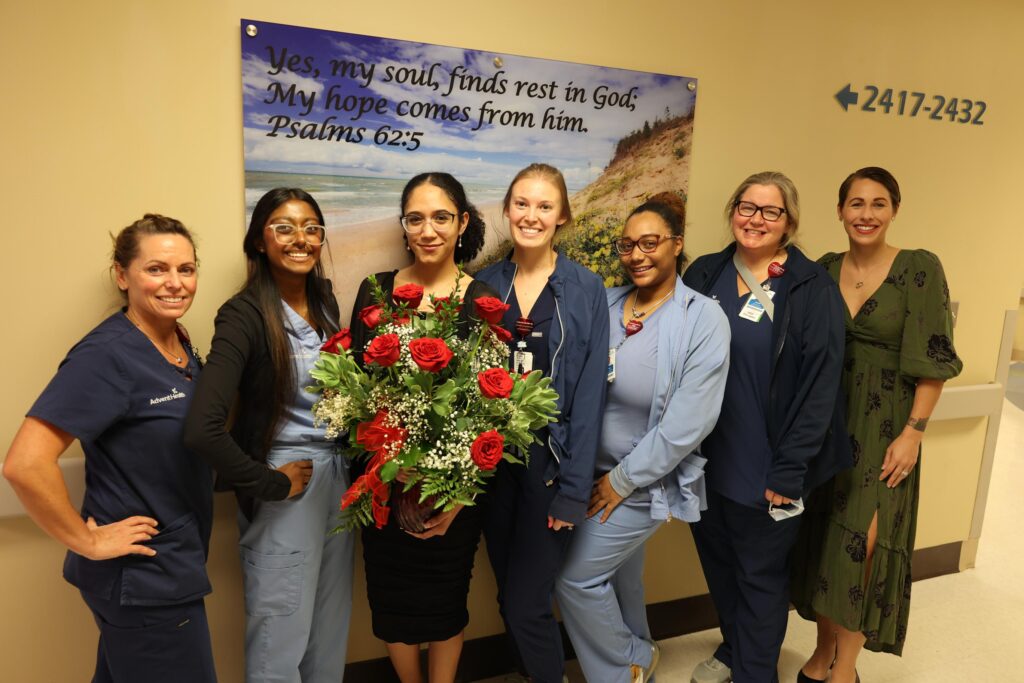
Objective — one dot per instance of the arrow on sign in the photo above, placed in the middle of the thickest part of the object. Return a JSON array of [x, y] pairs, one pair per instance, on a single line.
[[846, 97]]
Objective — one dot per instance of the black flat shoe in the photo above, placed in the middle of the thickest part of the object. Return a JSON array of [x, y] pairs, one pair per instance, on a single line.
[[801, 677]]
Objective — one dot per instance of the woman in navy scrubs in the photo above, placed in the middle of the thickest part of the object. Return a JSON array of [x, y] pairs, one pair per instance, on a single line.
[[781, 430], [559, 315], [137, 552], [288, 478]]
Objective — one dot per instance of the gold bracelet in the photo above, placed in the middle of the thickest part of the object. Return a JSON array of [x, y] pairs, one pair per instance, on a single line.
[[918, 423]]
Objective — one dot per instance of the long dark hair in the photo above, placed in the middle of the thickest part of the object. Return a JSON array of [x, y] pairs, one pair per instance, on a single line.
[[472, 240], [262, 287]]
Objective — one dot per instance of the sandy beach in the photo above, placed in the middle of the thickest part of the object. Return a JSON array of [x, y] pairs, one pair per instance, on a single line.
[[358, 250]]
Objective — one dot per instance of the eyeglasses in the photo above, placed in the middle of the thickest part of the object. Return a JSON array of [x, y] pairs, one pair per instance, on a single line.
[[647, 243], [441, 221], [769, 213], [286, 233]]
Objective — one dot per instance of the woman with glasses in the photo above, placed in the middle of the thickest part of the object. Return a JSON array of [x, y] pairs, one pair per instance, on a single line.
[[288, 478], [852, 565], [417, 583], [137, 550], [666, 375], [558, 311], [781, 429]]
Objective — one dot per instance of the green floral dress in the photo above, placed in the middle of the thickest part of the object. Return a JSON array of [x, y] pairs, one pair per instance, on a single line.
[[902, 332]]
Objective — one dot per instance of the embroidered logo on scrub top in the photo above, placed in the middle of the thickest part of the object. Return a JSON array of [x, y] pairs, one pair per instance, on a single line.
[[175, 394]]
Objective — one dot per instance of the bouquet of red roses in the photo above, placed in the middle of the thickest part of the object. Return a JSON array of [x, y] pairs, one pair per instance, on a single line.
[[440, 408]]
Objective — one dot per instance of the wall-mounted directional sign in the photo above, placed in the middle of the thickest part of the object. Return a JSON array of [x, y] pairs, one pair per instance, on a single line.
[[911, 103]]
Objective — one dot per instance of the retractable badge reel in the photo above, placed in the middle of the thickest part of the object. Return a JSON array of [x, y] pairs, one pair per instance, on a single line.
[[522, 360]]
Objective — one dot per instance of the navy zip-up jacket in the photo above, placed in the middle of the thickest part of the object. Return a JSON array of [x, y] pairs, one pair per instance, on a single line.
[[578, 345], [806, 406]]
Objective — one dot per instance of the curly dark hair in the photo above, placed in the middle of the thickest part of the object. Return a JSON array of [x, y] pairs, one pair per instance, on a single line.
[[472, 240]]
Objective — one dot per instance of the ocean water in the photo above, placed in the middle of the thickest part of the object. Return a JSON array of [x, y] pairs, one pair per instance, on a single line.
[[349, 200]]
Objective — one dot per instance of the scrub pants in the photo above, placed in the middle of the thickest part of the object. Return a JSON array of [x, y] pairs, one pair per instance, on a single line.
[[601, 593], [745, 557], [526, 556], [166, 644], [298, 577]]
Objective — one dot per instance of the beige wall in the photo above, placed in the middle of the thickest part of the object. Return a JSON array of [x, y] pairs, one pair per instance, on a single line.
[[117, 108]]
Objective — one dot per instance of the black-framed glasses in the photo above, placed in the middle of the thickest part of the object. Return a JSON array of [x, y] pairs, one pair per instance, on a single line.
[[769, 213], [286, 233], [647, 243], [441, 221]]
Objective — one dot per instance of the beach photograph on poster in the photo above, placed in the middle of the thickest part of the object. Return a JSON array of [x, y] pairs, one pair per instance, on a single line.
[[350, 118]]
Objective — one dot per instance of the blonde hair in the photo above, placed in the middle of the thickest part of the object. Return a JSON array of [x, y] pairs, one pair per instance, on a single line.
[[552, 175], [790, 200]]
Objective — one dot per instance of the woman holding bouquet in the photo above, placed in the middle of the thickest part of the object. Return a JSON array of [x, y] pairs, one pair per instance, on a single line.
[[559, 312], [287, 476], [417, 583], [667, 373]]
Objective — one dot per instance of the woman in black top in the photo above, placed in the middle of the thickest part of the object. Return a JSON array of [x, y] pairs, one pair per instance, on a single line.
[[417, 583], [287, 475]]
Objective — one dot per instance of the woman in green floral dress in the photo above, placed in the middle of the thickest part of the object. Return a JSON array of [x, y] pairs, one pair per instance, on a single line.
[[851, 571]]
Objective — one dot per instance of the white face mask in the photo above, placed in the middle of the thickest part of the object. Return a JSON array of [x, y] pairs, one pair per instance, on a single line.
[[781, 512]]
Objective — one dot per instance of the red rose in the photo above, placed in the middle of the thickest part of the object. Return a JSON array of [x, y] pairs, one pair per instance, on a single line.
[[342, 340], [440, 301], [430, 353], [490, 309], [371, 315], [501, 333], [383, 350], [408, 294], [399, 320], [487, 450], [495, 383]]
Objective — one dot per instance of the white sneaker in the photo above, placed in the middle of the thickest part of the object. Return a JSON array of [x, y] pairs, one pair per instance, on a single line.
[[638, 674], [711, 671]]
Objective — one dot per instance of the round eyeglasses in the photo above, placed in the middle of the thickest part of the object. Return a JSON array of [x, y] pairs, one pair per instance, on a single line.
[[441, 221], [769, 213], [647, 243], [286, 233]]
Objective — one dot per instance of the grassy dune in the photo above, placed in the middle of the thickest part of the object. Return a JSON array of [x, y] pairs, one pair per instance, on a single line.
[[652, 160]]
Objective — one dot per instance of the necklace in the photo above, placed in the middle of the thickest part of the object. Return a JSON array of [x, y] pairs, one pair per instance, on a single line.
[[636, 324], [178, 360]]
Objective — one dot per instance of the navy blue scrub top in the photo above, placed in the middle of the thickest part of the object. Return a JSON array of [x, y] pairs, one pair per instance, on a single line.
[[542, 314], [126, 404], [738, 451]]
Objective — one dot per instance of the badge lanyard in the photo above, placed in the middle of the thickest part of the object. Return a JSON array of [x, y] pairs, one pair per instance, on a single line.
[[754, 286]]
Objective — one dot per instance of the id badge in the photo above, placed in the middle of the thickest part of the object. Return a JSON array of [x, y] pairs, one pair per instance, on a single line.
[[753, 310], [611, 365], [522, 361]]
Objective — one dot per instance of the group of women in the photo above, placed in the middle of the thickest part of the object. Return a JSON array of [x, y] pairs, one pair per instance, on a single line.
[[775, 403]]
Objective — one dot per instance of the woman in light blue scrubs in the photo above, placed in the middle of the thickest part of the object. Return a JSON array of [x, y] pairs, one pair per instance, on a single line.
[[667, 368], [288, 478]]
